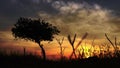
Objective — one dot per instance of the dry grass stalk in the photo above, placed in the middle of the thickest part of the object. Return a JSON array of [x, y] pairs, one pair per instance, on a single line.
[[72, 44], [85, 35], [109, 41], [92, 46], [114, 45], [115, 41], [24, 49], [61, 48]]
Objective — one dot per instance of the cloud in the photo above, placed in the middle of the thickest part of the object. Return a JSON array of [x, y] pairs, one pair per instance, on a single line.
[[70, 16], [79, 18], [11, 10]]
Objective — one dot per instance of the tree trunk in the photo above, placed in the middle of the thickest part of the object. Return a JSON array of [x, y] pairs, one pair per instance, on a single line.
[[43, 51]]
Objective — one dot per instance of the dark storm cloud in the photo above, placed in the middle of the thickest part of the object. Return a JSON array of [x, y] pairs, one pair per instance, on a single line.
[[11, 10], [111, 4]]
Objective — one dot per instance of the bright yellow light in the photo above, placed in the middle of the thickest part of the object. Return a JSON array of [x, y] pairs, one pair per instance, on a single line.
[[84, 51]]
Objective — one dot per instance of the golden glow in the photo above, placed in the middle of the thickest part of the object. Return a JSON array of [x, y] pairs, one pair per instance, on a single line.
[[52, 48]]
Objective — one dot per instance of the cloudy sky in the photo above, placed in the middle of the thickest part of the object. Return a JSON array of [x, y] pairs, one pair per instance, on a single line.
[[71, 16]]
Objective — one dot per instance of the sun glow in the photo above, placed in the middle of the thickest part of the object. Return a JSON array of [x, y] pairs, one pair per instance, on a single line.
[[85, 51]]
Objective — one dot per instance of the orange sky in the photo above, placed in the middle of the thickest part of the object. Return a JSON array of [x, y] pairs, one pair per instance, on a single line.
[[96, 17], [52, 48]]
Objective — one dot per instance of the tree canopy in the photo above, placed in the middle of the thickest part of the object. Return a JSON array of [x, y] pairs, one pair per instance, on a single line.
[[34, 30]]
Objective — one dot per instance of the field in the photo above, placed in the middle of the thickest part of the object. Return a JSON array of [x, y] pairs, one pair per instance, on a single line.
[[31, 61]]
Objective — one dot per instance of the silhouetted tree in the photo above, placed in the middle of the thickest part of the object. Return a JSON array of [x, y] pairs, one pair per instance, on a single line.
[[34, 30]]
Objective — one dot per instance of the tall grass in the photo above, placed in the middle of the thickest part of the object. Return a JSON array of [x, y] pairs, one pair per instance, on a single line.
[[115, 46]]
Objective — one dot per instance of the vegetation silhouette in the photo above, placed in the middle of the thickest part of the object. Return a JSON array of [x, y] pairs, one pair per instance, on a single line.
[[38, 30], [35, 30], [72, 44], [60, 42], [115, 46], [14, 60], [32, 61]]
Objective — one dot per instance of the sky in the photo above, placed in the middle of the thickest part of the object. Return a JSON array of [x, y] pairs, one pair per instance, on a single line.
[[96, 17]]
